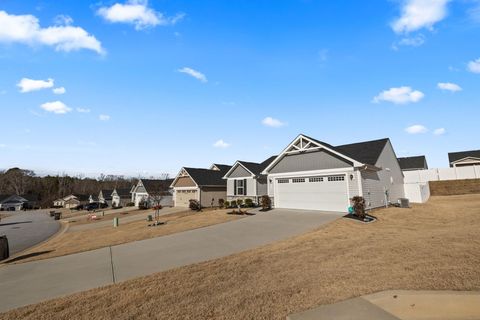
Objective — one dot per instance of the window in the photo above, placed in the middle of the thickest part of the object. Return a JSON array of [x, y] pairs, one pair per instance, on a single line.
[[240, 187], [283, 180], [316, 179], [298, 180], [336, 178]]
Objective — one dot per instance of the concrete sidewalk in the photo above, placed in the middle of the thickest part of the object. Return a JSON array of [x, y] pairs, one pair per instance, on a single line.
[[401, 305], [36, 281]]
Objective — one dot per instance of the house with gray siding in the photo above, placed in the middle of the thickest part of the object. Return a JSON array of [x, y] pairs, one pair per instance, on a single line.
[[147, 189], [246, 181], [314, 175], [207, 186]]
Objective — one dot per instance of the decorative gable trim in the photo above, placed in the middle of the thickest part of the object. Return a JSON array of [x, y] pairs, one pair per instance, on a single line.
[[183, 173], [303, 144]]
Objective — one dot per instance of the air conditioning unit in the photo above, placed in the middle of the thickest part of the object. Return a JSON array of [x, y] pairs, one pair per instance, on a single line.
[[404, 203]]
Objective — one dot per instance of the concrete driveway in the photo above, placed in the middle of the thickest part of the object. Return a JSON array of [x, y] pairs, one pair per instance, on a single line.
[[27, 228], [37, 281]]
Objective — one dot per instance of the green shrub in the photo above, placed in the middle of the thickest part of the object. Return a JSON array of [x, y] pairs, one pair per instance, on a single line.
[[130, 204], [266, 202], [248, 203], [221, 203], [240, 202], [233, 204], [227, 204], [194, 205]]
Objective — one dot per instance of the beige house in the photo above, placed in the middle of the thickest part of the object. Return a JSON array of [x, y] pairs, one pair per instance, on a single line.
[[464, 158], [204, 185]]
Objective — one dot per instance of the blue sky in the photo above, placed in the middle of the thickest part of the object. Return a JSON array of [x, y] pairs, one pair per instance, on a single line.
[[150, 87]]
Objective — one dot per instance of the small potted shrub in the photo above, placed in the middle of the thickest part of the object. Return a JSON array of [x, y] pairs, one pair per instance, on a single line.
[[221, 203], [233, 204], [359, 207], [226, 204]]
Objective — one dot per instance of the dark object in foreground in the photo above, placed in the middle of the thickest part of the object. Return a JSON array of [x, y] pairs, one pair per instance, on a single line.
[[241, 213], [367, 219], [157, 223], [4, 249], [58, 215]]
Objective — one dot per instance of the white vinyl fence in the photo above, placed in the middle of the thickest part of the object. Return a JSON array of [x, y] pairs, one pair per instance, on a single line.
[[455, 173], [417, 192]]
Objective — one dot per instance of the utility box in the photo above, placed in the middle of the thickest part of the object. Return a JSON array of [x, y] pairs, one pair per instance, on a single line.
[[115, 222], [404, 203], [4, 249]]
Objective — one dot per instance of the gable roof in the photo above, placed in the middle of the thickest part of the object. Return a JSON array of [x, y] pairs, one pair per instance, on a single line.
[[222, 167], [4, 197], [416, 162], [155, 185], [455, 156], [123, 192], [253, 167], [106, 193], [366, 152], [207, 177]]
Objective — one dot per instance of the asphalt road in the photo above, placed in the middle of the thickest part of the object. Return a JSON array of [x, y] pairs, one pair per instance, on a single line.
[[26, 229]]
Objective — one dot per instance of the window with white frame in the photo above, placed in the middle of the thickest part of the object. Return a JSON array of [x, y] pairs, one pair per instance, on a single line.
[[336, 178], [298, 180], [240, 187], [283, 180]]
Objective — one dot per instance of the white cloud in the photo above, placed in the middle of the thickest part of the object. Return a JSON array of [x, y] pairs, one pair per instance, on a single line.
[[439, 131], [448, 86], [221, 144], [57, 107], [26, 29], [59, 90], [194, 73], [401, 95], [474, 66], [416, 129], [83, 110], [474, 13], [419, 14], [272, 122], [416, 41], [104, 117], [63, 20], [138, 13], [28, 85]]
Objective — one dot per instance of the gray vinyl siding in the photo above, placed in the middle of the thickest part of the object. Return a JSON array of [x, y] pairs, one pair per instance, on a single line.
[[207, 194], [374, 184], [140, 189], [318, 160], [250, 187], [240, 172], [262, 186]]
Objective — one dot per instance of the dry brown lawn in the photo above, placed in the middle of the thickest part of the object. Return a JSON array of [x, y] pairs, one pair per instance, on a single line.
[[83, 219], [431, 246], [84, 240]]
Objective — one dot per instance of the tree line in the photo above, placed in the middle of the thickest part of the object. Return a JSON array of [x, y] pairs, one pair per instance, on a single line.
[[48, 188]]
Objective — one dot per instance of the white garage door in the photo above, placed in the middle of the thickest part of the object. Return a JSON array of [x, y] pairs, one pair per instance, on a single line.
[[328, 193], [183, 197]]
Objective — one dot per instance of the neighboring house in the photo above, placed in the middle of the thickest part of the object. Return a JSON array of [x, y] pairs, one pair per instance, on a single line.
[[120, 197], [16, 202], [314, 175], [246, 181], [204, 185], [105, 196], [72, 201], [145, 189], [413, 163], [464, 158]]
